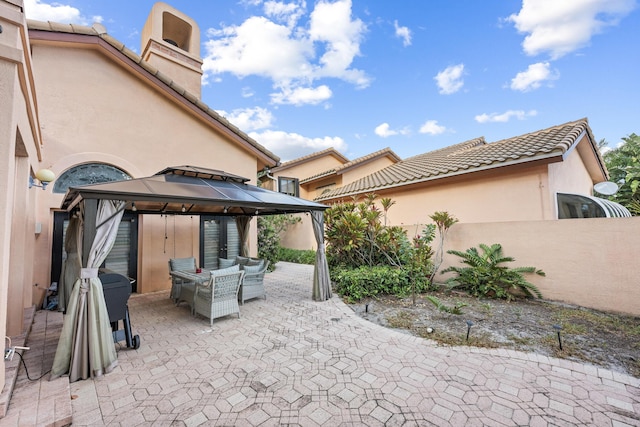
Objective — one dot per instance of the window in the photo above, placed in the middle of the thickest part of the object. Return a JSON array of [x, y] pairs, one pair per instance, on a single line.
[[90, 173], [581, 206], [290, 186]]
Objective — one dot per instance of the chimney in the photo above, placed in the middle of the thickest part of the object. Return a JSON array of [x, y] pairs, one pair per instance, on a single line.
[[171, 43]]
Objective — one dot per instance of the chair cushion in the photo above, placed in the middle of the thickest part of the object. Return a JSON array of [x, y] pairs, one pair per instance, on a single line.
[[227, 270], [242, 260], [182, 264], [248, 269], [224, 262], [254, 261]]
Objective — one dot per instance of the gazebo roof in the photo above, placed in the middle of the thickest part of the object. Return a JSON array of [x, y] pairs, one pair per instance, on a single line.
[[190, 190]]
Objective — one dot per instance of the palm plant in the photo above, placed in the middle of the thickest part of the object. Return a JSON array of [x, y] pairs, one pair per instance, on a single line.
[[486, 277]]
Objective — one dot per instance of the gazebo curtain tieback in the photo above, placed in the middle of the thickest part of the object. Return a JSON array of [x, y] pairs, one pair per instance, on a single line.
[[88, 273]]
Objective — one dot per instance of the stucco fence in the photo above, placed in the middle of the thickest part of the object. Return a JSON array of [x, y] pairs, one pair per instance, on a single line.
[[588, 262]]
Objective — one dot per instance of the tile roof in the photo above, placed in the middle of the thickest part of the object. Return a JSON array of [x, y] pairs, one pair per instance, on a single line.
[[360, 160], [308, 157], [98, 30], [470, 156]]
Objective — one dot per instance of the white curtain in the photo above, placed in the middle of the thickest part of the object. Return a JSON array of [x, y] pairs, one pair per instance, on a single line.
[[242, 223], [72, 264], [86, 347], [321, 280]]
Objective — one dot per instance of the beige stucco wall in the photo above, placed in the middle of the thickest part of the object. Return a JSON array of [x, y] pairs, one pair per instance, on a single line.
[[588, 262], [570, 176], [311, 167], [517, 196], [93, 110], [19, 155]]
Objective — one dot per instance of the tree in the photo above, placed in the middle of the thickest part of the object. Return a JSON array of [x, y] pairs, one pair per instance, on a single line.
[[623, 164], [443, 221]]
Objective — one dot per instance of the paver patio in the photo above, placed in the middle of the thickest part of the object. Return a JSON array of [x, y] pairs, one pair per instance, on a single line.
[[291, 361]]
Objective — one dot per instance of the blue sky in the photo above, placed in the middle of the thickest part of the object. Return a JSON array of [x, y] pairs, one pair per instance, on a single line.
[[413, 75]]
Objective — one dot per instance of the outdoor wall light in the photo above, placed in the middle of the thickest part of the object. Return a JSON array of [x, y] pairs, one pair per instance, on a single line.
[[225, 210], [45, 176], [183, 208], [133, 206]]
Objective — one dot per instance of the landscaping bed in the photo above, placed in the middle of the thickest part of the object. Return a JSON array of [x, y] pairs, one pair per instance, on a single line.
[[603, 339]]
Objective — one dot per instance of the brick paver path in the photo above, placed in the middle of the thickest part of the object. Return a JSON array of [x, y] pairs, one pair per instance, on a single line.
[[292, 361]]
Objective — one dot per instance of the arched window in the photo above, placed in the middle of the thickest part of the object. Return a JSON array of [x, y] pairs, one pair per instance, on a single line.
[[89, 173]]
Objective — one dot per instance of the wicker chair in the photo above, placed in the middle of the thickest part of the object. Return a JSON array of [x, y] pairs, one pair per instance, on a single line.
[[218, 297], [182, 290], [253, 282]]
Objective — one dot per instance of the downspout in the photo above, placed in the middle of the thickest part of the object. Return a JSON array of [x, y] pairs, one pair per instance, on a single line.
[[275, 180]]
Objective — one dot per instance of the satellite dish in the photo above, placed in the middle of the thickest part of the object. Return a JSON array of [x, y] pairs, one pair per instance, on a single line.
[[607, 188]]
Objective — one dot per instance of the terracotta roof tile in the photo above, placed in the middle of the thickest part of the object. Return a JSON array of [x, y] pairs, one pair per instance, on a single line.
[[467, 157]]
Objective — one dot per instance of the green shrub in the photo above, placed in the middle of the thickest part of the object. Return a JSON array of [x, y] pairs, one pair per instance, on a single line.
[[485, 277], [355, 236], [355, 284], [269, 229], [298, 256]]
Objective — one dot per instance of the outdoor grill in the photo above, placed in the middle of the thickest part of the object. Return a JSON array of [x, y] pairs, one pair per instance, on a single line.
[[117, 289]]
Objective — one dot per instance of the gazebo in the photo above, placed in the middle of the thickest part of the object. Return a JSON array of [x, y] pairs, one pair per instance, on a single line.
[[86, 347]]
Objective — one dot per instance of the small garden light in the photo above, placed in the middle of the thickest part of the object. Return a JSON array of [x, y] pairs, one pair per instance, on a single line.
[[469, 325], [558, 328]]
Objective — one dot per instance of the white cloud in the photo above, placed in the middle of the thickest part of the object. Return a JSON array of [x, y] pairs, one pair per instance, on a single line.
[[533, 78], [384, 131], [56, 12], [432, 127], [292, 145], [292, 56], [505, 117], [404, 33], [561, 27], [450, 79], [249, 119], [247, 92], [284, 12], [302, 95]]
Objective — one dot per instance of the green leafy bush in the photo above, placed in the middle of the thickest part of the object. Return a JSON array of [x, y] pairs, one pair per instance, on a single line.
[[485, 277], [269, 229], [355, 284], [356, 236], [298, 256]]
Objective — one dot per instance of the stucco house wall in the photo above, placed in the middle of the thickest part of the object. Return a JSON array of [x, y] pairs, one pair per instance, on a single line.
[[94, 110], [72, 95], [20, 154]]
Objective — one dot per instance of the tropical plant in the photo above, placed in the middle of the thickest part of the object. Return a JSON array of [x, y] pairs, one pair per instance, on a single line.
[[486, 277], [386, 203], [623, 164], [355, 236], [455, 309], [269, 229], [443, 221], [419, 264]]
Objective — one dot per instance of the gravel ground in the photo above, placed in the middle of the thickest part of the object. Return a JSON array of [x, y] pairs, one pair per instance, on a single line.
[[604, 339]]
